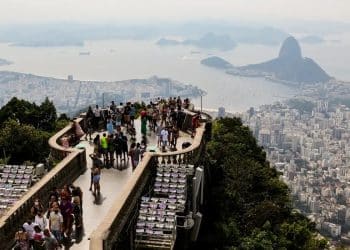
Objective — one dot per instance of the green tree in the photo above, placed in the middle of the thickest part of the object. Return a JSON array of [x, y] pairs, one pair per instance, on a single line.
[[47, 115], [23, 142], [20, 110]]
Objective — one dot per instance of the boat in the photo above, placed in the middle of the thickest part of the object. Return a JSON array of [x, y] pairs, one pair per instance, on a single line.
[[84, 53]]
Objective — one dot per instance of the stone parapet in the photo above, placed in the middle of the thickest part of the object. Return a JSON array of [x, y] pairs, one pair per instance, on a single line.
[[72, 164], [116, 230]]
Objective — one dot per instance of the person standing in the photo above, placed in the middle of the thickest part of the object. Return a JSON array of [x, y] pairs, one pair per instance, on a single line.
[[118, 147], [38, 238], [50, 242], [96, 163], [97, 117], [132, 154], [22, 240], [164, 134], [66, 208], [113, 107], [159, 135], [132, 114], [104, 148], [110, 127], [96, 180], [97, 145], [77, 192], [174, 137], [40, 220], [124, 141], [56, 222], [111, 149], [36, 207], [29, 228], [144, 125], [78, 222]]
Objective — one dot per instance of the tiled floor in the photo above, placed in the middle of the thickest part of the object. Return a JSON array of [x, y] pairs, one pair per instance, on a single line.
[[112, 181]]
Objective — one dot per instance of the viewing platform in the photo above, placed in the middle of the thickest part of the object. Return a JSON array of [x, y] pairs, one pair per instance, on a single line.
[[109, 221], [113, 182]]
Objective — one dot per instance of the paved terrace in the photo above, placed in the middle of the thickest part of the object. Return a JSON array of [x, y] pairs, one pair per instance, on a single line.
[[112, 183]]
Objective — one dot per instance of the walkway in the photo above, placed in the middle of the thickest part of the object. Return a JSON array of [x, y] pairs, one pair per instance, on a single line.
[[112, 181]]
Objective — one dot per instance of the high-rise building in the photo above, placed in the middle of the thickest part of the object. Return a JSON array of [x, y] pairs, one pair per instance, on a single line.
[[221, 112]]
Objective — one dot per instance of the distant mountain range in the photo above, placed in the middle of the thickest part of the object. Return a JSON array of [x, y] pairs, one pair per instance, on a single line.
[[289, 66], [312, 39], [75, 34], [208, 41], [4, 62]]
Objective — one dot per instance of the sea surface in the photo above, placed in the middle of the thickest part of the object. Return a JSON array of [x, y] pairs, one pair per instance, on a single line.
[[112, 60]]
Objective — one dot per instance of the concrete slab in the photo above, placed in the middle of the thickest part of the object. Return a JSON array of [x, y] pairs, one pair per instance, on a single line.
[[112, 182]]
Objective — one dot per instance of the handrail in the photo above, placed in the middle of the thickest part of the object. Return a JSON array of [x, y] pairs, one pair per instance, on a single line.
[[71, 153], [102, 231], [37, 186], [53, 140]]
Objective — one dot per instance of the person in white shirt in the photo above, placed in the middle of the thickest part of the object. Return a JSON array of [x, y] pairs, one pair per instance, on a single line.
[[97, 117], [164, 134], [40, 220], [29, 228], [55, 222]]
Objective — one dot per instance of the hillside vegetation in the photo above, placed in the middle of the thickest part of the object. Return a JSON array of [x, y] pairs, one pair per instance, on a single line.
[[247, 206], [25, 129]]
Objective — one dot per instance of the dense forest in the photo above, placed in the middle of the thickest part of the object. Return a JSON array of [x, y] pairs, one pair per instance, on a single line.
[[247, 206], [25, 129]]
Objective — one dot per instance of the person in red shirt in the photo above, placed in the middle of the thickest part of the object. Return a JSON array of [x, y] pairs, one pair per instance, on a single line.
[[143, 113], [195, 124]]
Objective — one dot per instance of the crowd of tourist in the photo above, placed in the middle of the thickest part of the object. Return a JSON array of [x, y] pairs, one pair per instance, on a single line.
[[112, 149], [51, 226], [164, 117]]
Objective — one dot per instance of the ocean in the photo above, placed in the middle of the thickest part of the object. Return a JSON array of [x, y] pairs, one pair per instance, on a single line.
[[111, 60]]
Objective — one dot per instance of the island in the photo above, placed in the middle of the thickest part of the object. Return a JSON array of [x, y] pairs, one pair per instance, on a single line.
[[167, 42], [4, 62], [289, 67], [208, 41], [216, 62]]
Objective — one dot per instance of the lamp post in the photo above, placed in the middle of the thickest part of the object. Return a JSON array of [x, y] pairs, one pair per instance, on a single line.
[[203, 93]]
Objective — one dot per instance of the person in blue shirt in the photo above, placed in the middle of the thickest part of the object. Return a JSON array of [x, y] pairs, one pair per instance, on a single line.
[[110, 127], [132, 114]]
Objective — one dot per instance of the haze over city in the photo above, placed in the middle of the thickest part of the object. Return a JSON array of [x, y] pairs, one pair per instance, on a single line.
[[22, 11]]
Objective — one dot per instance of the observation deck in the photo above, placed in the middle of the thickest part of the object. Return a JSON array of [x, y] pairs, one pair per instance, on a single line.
[[109, 221]]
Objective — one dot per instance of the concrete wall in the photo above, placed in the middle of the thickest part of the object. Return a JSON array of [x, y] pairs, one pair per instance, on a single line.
[[66, 171], [116, 230]]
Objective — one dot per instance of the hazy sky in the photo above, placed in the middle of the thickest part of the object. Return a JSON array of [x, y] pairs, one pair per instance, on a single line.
[[173, 10]]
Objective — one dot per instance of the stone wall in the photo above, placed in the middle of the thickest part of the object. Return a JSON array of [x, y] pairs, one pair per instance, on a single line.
[[117, 228], [72, 164]]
